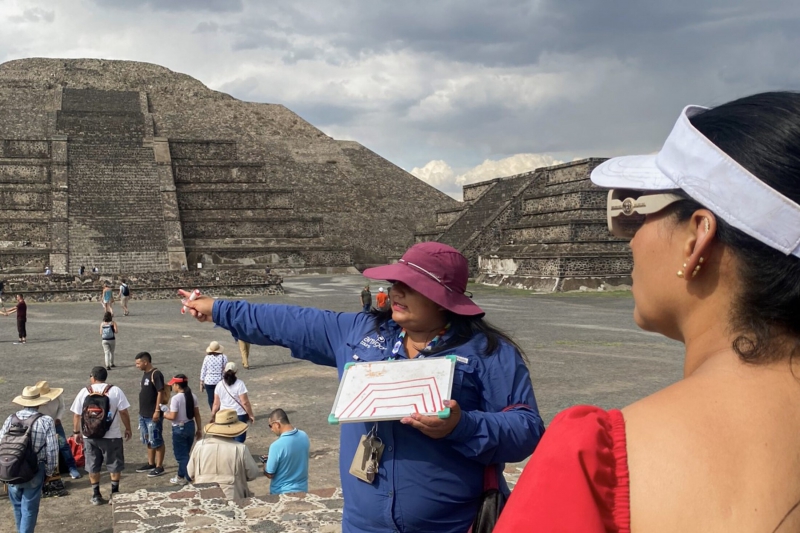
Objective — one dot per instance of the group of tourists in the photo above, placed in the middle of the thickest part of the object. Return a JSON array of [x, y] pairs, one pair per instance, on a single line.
[[713, 221]]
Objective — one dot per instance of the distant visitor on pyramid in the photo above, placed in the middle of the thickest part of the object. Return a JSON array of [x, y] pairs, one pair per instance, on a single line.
[[131, 167]]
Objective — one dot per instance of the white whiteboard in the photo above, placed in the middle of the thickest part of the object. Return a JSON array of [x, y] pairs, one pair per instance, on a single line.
[[391, 390]]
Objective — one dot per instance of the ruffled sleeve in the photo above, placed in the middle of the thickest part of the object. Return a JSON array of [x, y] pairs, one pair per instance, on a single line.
[[577, 479]]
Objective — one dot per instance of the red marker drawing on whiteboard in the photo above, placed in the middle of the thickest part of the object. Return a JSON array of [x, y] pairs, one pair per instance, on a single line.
[[195, 294]]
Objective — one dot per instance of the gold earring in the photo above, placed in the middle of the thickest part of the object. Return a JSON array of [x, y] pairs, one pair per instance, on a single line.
[[696, 270], [702, 259], [680, 273], [708, 225]]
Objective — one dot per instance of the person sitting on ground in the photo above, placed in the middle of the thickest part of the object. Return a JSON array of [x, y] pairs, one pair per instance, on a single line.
[[185, 417], [231, 393], [287, 463], [108, 338], [26, 495], [212, 370], [56, 409], [714, 223], [431, 472], [220, 459]]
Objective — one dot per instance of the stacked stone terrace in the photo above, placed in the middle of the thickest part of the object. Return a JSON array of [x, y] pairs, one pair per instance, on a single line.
[[542, 230], [132, 167]]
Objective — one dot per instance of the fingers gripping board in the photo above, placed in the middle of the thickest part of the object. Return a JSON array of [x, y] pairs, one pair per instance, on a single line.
[[391, 390]]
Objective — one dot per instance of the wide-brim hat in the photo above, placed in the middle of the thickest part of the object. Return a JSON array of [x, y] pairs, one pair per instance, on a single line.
[[47, 392], [437, 271], [31, 397], [226, 424], [214, 347]]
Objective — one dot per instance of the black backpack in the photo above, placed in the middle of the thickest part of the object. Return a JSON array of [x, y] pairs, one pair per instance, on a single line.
[[19, 462], [125, 290], [96, 416]]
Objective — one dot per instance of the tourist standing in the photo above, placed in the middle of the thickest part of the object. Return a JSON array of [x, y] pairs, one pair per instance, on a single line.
[[287, 464], [151, 425], [366, 299], [220, 458], [124, 296], [28, 425], [55, 409], [212, 370], [102, 440], [22, 318], [108, 336], [382, 300], [185, 417], [81, 271], [231, 393], [107, 297]]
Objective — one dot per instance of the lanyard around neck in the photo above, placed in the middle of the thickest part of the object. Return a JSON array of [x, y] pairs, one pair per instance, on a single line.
[[428, 348]]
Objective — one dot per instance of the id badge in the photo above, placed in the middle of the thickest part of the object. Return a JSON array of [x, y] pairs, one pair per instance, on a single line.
[[367, 458]]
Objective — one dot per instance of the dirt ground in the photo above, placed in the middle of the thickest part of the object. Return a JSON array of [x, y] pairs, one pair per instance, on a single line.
[[581, 349]]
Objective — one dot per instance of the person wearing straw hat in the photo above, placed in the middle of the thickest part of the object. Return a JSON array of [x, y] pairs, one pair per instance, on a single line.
[[713, 221], [55, 409], [25, 497], [432, 472], [212, 370], [219, 458]]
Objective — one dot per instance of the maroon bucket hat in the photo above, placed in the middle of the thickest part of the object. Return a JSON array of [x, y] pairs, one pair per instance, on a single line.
[[435, 270]]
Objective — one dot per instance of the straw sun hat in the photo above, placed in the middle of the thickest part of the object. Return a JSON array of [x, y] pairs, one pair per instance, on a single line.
[[226, 424], [214, 347], [31, 397]]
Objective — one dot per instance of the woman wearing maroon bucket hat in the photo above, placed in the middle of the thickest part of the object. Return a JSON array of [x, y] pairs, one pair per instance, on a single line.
[[431, 472]]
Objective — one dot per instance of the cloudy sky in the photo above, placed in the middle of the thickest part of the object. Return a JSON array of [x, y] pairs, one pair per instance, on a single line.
[[452, 91]]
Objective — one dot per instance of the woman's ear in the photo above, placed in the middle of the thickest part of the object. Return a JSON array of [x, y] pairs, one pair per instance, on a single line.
[[701, 230]]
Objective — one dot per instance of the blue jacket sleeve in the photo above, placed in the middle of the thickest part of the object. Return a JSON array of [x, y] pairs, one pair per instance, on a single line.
[[311, 334], [510, 427]]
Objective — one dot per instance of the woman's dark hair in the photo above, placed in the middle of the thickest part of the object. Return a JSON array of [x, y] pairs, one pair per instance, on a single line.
[[229, 377], [464, 328], [107, 317], [762, 133], [187, 394]]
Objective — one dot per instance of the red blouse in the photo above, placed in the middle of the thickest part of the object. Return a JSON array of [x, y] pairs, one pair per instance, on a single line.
[[577, 479]]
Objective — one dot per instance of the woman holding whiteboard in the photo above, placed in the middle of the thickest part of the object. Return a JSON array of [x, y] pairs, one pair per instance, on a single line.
[[431, 472]]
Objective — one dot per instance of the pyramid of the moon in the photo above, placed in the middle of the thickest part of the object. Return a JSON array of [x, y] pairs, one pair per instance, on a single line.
[[132, 167]]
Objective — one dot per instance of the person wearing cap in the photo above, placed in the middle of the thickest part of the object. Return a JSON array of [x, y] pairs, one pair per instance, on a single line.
[[212, 370], [220, 458], [714, 226], [382, 299], [25, 497], [55, 409], [185, 417], [231, 393], [108, 449], [431, 472]]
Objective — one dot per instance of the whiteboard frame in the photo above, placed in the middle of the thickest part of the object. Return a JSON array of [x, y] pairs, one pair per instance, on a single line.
[[445, 413]]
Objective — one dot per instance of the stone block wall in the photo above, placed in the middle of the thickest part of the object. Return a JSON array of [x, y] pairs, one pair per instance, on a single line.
[[144, 285]]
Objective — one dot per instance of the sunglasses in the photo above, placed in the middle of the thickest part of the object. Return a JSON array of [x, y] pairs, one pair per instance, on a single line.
[[626, 214]]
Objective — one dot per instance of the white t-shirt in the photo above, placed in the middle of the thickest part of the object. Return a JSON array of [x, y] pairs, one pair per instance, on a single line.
[[226, 401], [118, 403], [178, 405]]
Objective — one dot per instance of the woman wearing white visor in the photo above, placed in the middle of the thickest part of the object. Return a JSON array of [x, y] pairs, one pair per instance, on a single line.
[[714, 223]]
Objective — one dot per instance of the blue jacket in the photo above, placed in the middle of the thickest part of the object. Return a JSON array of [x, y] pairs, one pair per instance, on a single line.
[[423, 484]]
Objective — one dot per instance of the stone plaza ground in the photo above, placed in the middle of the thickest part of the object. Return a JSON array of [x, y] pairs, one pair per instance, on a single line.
[[582, 348]]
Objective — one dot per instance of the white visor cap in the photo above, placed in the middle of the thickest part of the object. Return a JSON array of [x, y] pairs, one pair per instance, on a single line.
[[692, 163]]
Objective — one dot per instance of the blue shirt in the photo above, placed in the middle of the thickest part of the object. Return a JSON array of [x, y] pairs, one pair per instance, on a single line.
[[423, 484], [288, 463]]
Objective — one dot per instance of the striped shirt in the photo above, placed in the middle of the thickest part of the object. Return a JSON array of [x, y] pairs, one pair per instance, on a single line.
[[213, 367], [43, 437]]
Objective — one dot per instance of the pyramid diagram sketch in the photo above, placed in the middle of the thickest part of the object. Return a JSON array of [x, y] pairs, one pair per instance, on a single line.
[[391, 390]]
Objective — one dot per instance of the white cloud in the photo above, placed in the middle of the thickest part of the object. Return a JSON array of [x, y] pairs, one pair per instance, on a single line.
[[442, 176]]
